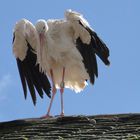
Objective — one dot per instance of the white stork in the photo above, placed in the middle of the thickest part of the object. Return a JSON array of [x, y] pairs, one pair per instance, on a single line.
[[63, 50]]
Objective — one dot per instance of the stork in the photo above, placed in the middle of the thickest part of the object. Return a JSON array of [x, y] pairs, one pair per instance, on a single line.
[[63, 51]]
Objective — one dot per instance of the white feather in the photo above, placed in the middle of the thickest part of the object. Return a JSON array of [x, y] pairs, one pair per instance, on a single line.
[[60, 51], [74, 18], [73, 15], [24, 31], [59, 48]]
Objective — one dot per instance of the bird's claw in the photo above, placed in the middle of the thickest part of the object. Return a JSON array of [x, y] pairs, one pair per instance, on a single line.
[[62, 114], [46, 117]]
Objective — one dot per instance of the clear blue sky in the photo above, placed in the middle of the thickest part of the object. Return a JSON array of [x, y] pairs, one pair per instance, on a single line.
[[117, 90]]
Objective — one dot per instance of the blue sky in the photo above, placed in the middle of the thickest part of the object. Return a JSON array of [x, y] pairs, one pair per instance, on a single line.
[[117, 88]]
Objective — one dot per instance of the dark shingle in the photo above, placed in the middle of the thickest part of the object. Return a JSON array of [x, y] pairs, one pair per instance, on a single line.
[[123, 126]]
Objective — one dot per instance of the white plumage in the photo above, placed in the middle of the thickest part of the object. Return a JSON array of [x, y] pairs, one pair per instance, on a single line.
[[60, 51], [24, 31], [65, 50]]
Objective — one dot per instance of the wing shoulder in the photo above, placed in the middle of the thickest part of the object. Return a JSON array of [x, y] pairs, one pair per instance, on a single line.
[[24, 32], [79, 31]]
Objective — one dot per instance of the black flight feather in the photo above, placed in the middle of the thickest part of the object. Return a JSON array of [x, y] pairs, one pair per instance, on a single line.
[[89, 59], [31, 76], [99, 46], [88, 51], [22, 77]]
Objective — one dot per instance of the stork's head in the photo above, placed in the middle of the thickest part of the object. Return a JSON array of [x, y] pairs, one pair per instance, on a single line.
[[41, 27]]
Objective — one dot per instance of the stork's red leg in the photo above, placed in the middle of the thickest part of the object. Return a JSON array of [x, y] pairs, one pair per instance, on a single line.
[[53, 95], [62, 85], [48, 113], [53, 82]]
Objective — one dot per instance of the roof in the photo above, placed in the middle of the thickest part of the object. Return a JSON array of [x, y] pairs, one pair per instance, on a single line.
[[121, 126]]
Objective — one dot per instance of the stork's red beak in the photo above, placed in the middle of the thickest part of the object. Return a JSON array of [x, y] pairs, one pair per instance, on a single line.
[[41, 37], [42, 44]]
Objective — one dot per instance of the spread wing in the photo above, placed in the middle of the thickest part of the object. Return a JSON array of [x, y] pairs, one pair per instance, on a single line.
[[25, 41], [88, 43]]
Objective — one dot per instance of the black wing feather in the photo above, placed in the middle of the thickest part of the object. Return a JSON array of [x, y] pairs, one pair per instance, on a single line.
[[88, 51], [31, 76], [100, 47], [22, 77], [89, 59]]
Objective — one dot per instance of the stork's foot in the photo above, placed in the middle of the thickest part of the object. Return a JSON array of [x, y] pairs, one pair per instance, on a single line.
[[62, 114], [46, 117]]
